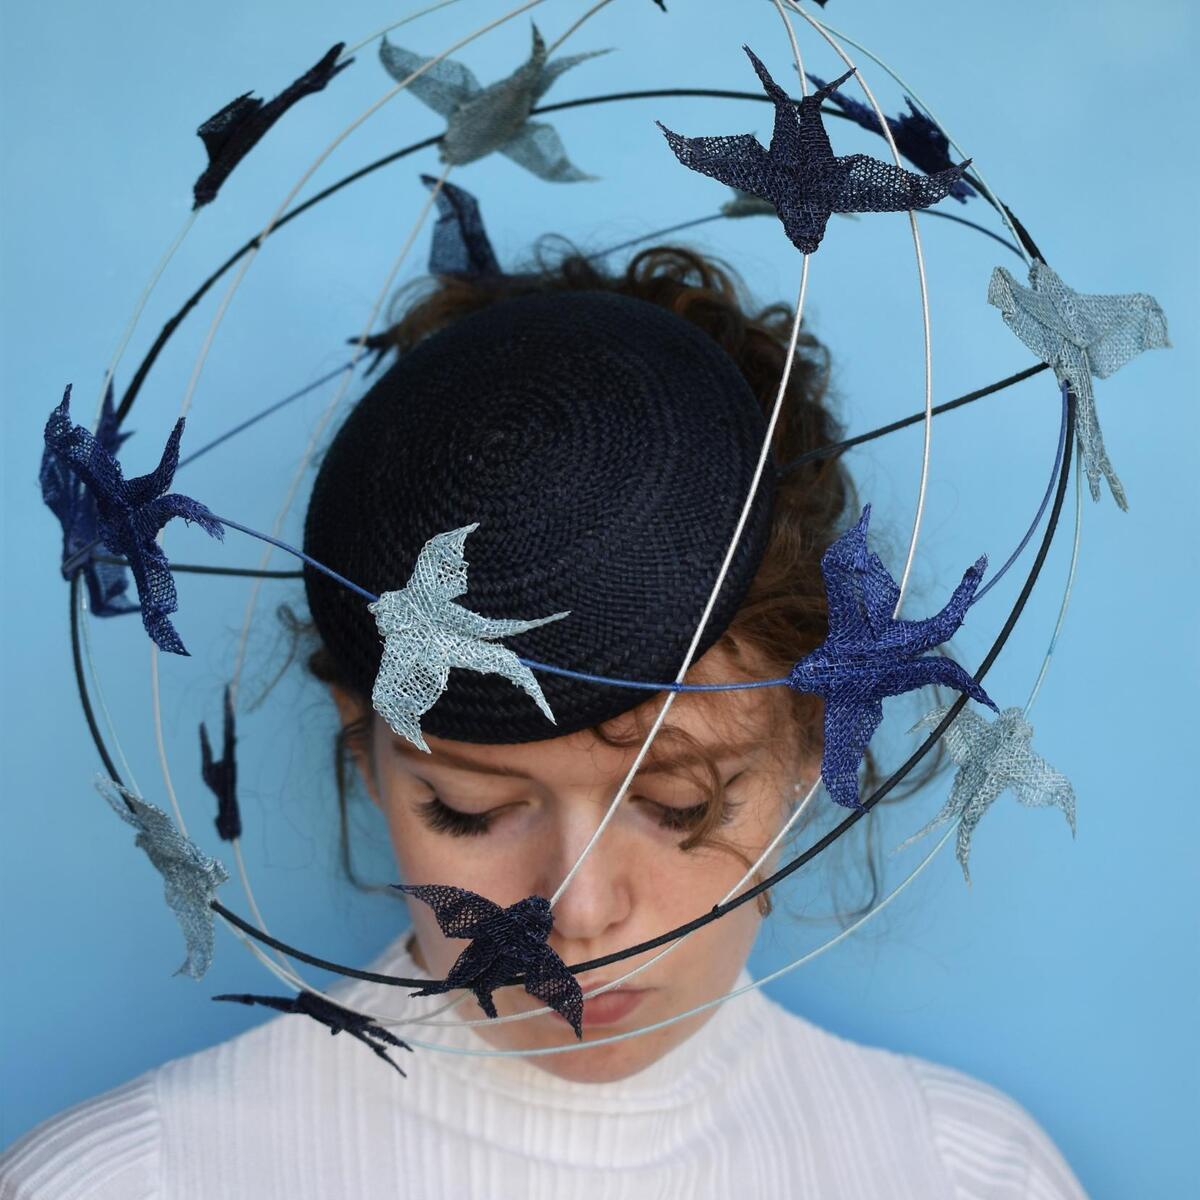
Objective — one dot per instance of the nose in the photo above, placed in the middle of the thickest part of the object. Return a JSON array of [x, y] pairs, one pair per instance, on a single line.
[[600, 896]]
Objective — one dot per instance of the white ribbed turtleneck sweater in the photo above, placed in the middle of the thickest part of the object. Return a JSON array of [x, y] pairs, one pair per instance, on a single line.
[[757, 1103]]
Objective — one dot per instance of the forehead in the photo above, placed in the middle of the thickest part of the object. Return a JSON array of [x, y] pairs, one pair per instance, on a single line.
[[723, 726]]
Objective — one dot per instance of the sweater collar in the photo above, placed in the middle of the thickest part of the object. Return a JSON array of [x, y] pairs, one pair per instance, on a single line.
[[703, 1064]]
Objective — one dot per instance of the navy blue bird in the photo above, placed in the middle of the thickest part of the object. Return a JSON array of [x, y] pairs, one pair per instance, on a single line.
[[333, 1016], [506, 942], [72, 503], [460, 247], [868, 655], [800, 175], [918, 138], [130, 512], [232, 132], [460, 244], [221, 773]]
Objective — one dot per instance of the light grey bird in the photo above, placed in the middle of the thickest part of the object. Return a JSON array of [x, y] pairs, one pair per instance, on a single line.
[[993, 757], [425, 634], [480, 120], [190, 877], [1080, 336]]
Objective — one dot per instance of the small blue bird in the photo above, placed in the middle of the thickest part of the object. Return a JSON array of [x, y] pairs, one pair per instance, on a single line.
[[73, 504], [130, 513], [868, 655]]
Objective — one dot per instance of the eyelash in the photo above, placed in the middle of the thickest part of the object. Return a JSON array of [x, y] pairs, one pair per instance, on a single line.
[[441, 818]]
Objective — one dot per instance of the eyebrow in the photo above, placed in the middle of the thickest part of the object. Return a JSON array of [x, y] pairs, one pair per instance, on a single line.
[[446, 758], [449, 759]]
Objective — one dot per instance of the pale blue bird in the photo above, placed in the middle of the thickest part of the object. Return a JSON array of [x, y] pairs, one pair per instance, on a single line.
[[993, 757], [1080, 336], [480, 120], [190, 877], [425, 634]]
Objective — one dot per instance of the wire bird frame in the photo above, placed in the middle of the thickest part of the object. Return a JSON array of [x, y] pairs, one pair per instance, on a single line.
[[287, 210]]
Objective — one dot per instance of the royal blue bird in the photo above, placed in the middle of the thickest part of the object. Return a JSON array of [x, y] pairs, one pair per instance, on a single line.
[[800, 175], [130, 513], [505, 942], [73, 505], [868, 655]]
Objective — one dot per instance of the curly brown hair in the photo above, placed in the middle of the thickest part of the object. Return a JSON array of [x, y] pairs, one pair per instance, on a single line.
[[783, 616]]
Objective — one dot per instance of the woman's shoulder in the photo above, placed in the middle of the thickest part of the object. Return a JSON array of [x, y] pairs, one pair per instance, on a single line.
[[981, 1139], [984, 1136], [246, 1095], [106, 1148]]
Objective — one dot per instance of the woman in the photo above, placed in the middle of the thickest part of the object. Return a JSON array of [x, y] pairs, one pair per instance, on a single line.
[[600, 435]]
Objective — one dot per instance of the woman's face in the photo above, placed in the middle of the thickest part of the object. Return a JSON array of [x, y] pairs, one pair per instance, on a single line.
[[509, 821]]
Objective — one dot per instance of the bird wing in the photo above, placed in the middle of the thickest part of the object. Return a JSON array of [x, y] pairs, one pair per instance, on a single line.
[[284, 1004], [552, 70], [144, 488], [841, 567], [460, 913], [460, 244], [911, 674], [156, 592], [547, 978], [739, 160], [412, 674], [916, 637], [537, 147], [849, 725], [865, 184], [158, 511], [1031, 315], [1041, 785], [880, 593], [443, 87], [488, 658], [1121, 327]]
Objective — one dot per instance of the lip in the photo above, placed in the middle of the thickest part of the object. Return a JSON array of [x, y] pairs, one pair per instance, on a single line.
[[610, 1008]]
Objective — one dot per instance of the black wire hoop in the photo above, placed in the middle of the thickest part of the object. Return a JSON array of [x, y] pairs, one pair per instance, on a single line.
[[137, 382]]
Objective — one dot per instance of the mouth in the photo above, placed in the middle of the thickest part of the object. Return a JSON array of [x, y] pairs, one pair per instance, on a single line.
[[610, 1008]]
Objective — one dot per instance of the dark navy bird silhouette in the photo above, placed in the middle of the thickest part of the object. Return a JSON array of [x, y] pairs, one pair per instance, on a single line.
[[221, 774], [918, 138], [71, 502], [130, 512], [333, 1016], [506, 942], [460, 244], [230, 134], [800, 175], [868, 655]]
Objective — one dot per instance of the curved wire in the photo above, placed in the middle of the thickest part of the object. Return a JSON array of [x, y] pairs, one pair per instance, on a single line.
[[799, 860]]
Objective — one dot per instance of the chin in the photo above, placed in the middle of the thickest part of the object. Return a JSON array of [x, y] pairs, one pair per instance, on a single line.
[[607, 1063], [604, 1064]]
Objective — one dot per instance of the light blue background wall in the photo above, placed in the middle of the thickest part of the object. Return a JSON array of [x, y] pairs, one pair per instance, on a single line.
[[1068, 974]]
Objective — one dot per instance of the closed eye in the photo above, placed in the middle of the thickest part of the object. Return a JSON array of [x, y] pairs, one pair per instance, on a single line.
[[441, 818], [681, 820]]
